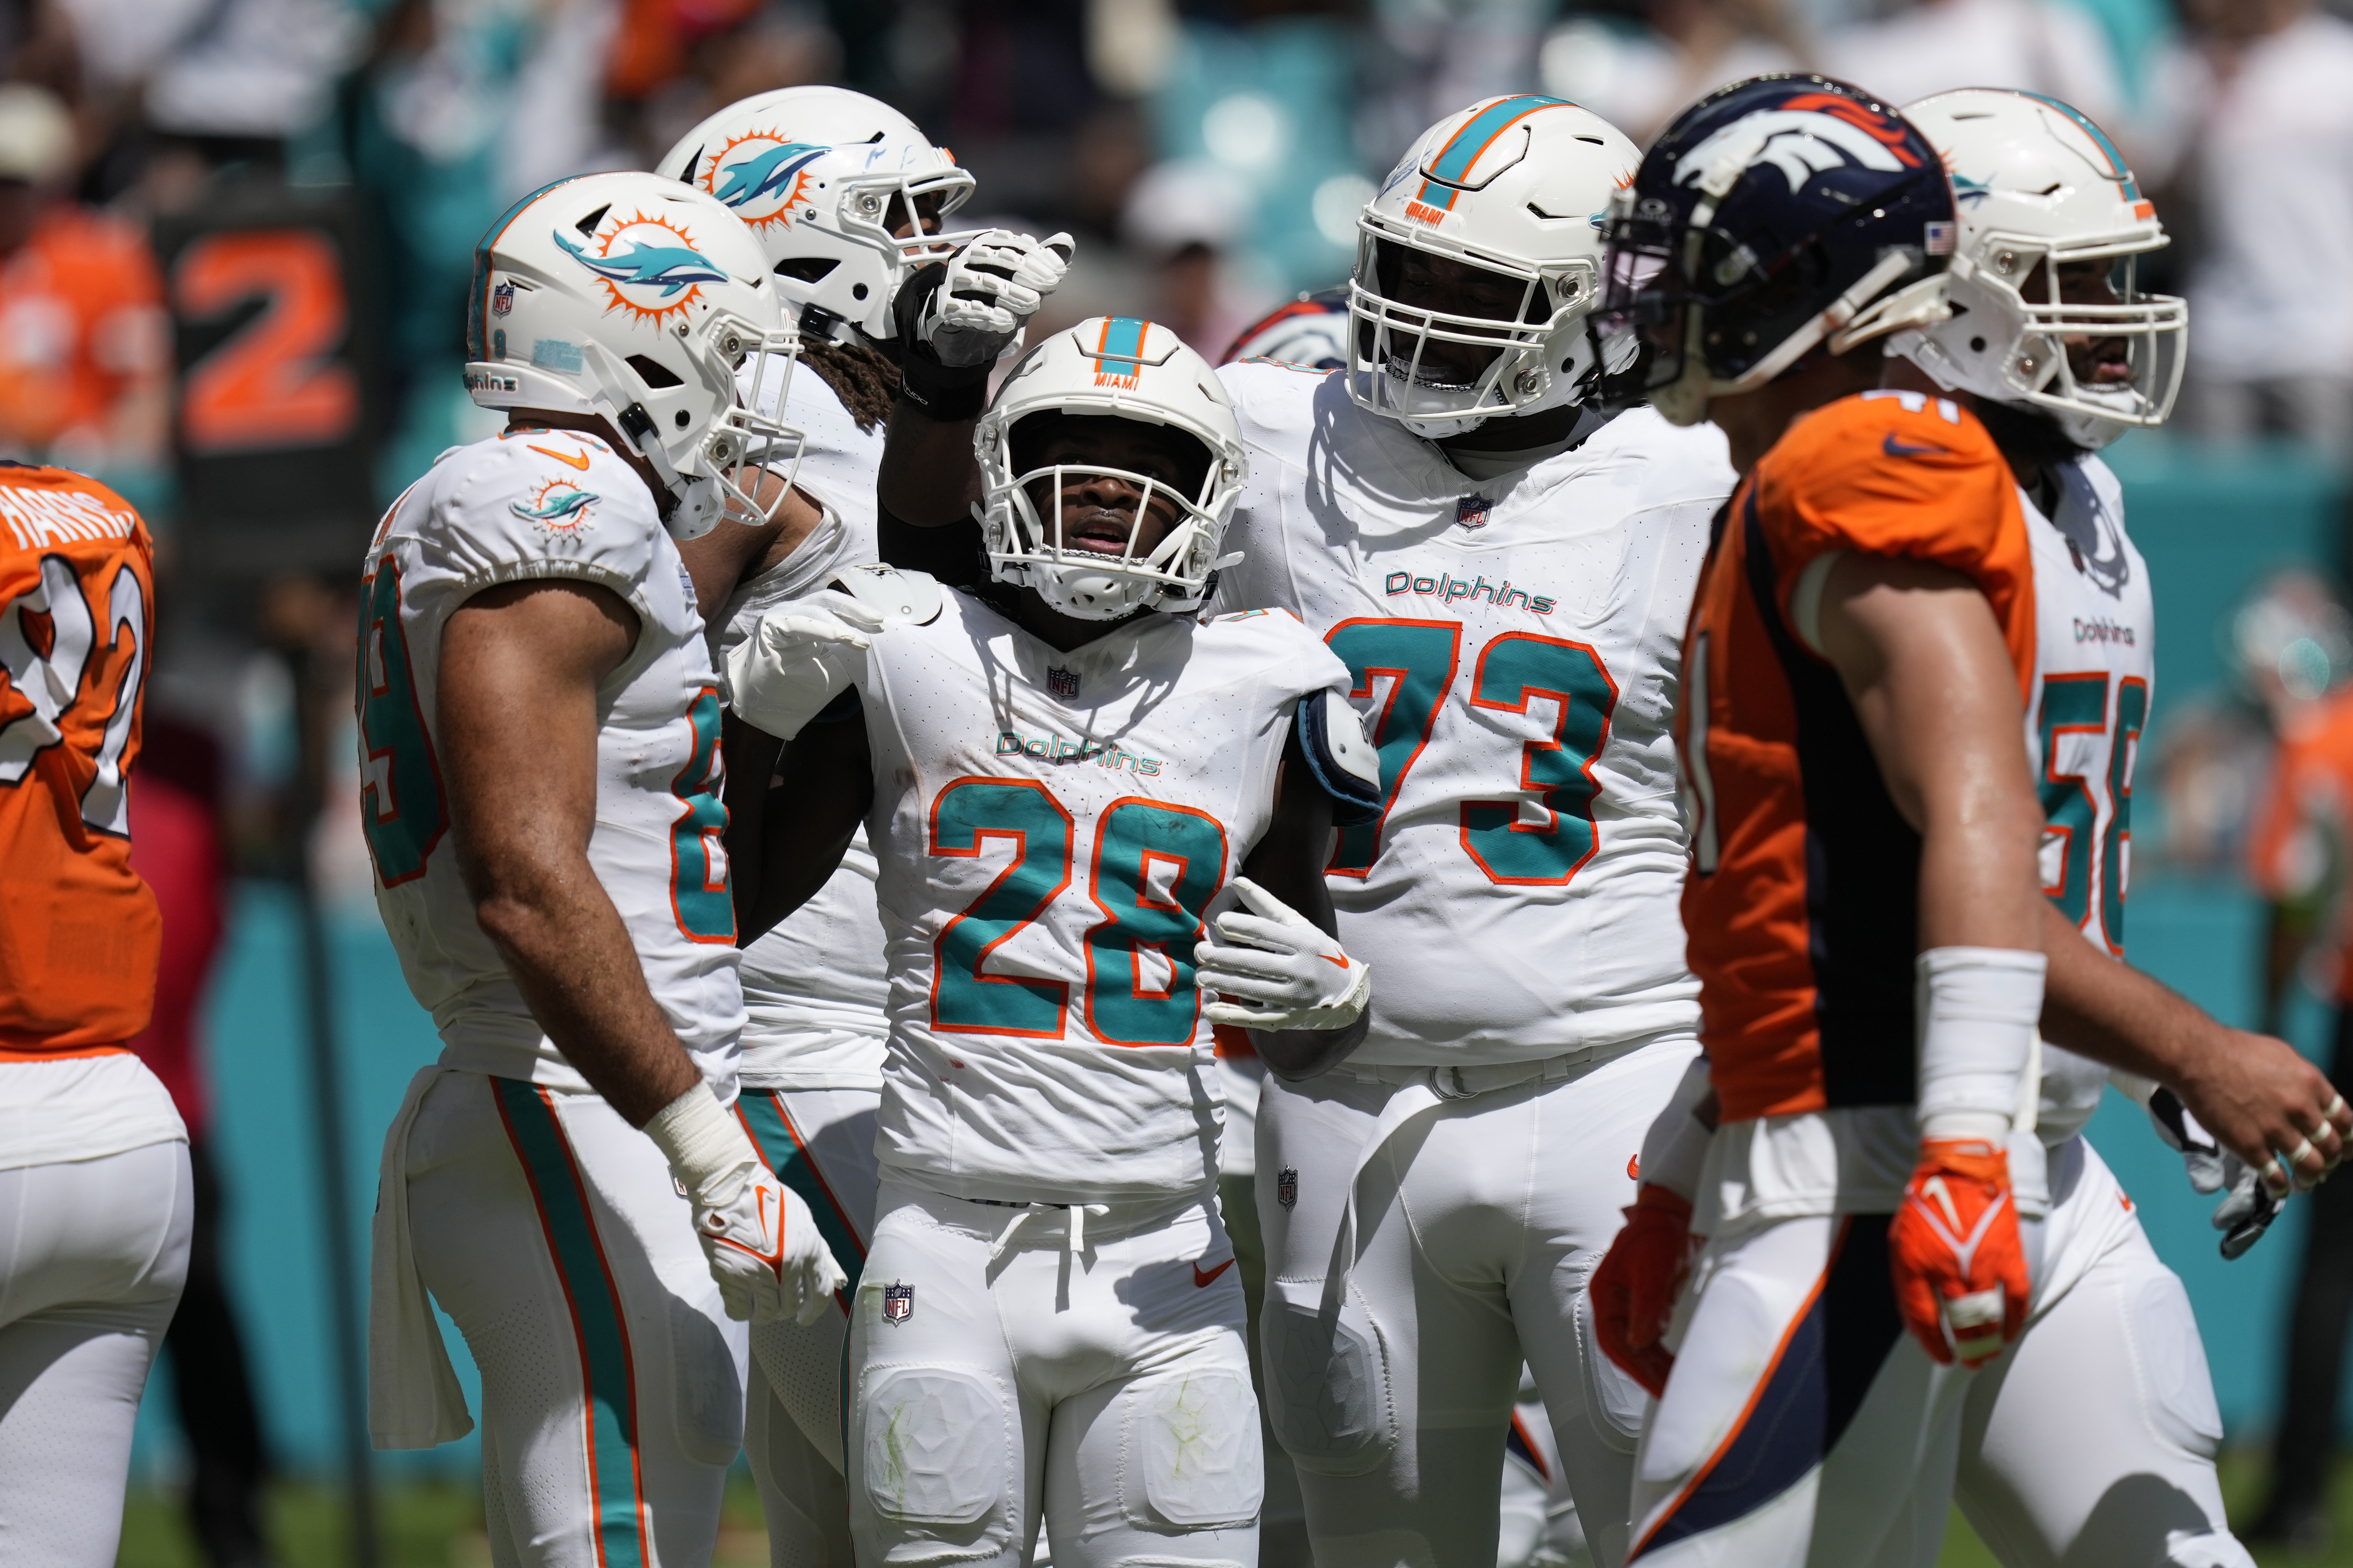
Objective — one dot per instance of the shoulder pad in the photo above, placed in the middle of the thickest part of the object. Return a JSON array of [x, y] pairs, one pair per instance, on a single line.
[[910, 597], [1342, 759]]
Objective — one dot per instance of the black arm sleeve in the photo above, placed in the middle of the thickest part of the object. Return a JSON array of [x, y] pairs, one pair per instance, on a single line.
[[950, 552]]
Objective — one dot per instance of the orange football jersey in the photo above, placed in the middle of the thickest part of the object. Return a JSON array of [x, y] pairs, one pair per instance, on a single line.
[[2300, 841], [78, 929], [1801, 907]]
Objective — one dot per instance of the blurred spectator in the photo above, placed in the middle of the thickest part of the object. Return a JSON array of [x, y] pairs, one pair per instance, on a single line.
[[1448, 54], [1639, 79], [2249, 140], [177, 846], [2041, 45], [1182, 219], [83, 352], [672, 64], [2299, 861]]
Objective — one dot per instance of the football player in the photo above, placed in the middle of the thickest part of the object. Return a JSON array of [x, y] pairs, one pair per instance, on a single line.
[[2106, 1395], [847, 199], [93, 1158], [1505, 573], [1863, 844], [1065, 777], [539, 747]]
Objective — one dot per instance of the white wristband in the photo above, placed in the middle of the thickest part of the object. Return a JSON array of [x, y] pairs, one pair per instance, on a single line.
[[707, 1148], [1978, 1011], [1676, 1147]]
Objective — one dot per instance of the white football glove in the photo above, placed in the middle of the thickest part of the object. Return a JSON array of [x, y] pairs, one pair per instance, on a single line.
[[1273, 968], [765, 1252], [993, 287], [2248, 1208], [798, 659]]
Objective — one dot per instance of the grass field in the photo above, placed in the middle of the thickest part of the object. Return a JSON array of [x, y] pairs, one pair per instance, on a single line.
[[440, 1526]]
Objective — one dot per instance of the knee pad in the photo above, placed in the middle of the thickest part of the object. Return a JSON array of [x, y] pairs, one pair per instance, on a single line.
[[935, 1447], [1327, 1380], [1614, 1403], [706, 1387], [1190, 1451]]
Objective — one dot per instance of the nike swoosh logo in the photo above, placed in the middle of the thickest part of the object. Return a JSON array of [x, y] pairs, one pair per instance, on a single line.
[[1890, 445], [1202, 1281], [581, 461], [1334, 962]]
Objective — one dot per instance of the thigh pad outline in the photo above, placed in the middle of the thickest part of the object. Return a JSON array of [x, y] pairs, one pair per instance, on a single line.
[[1189, 1448], [1328, 1389], [937, 1444]]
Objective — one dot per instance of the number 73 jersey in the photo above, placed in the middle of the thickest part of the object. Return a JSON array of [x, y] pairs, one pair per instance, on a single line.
[[1513, 646], [1050, 827], [526, 507]]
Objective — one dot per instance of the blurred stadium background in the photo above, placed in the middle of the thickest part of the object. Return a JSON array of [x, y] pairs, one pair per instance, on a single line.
[[235, 234]]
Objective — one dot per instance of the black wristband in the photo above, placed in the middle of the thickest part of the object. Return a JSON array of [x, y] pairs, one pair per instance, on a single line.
[[936, 391]]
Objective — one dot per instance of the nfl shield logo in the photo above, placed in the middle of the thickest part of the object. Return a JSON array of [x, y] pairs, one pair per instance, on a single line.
[[502, 300], [898, 1304], [1286, 1188], [1471, 511], [1063, 684]]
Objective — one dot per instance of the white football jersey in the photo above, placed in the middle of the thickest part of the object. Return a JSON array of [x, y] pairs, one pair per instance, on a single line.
[[2094, 666], [1049, 826], [1514, 645], [813, 984], [519, 508]]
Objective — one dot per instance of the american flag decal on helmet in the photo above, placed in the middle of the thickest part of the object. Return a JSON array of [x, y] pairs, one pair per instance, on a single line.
[[1118, 352]]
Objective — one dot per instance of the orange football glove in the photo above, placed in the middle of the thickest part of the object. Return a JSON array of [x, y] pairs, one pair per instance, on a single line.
[[1634, 1289], [1960, 1272]]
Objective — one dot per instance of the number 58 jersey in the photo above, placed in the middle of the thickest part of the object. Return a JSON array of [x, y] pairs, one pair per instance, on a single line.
[[1514, 644], [1050, 827], [526, 507]]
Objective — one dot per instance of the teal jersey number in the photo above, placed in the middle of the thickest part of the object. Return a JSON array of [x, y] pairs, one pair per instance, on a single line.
[[1512, 670], [699, 892], [1143, 913], [2072, 705], [1419, 658], [2078, 705], [402, 806], [2115, 847], [965, 816]]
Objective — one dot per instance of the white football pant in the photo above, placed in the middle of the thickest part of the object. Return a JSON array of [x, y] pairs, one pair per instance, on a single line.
[[2091, 1441], [998, 1377], [820, 1143], [1478, 1223], [1802, 1423], [554, 1235], [92, 1255]]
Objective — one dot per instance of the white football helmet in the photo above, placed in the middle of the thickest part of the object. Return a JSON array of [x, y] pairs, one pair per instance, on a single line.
[[1515, 185], [632, 297], [821, 174], [2034, 181], [1126, 369], [1311, 331]]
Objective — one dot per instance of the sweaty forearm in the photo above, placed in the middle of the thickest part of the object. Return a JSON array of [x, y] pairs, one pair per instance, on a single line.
[[2103, 1008], [571, 957]]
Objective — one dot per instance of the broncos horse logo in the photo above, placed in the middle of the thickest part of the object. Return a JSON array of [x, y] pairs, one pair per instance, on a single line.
[[647, 266], [761, 175], [1809, 133]]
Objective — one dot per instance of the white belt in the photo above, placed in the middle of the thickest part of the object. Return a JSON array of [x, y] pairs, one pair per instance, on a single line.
[[1424, 1089], [414, 1399]]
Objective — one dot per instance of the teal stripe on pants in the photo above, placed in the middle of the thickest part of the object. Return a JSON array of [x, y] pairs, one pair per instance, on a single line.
[[608, 1375], [763, 1114]]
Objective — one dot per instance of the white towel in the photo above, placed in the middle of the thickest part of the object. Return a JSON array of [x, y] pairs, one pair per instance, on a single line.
[[414, 1400]]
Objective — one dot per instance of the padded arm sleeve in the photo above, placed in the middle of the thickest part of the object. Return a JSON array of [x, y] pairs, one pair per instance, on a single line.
[[1977, 1010], [1342, 759]]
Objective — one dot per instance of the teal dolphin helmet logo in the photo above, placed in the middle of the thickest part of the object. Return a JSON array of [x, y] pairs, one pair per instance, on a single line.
[[666, 262], [765, 173]]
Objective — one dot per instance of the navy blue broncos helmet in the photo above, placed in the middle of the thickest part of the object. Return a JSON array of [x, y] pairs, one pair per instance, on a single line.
[[1775, 217]]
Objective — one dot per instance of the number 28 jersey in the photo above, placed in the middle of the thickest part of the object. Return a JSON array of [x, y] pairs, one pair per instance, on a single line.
[[1050, 827], [525, 507], [1513, 646]]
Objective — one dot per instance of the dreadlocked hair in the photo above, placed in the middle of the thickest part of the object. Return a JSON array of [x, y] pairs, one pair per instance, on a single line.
[[863, 377]]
